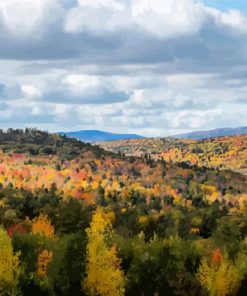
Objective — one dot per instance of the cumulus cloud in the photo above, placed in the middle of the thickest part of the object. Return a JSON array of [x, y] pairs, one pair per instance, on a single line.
[[74, 89], [28, 17], [163, 19], [155, 67], [233, 19], [168, 18], [96, 16]]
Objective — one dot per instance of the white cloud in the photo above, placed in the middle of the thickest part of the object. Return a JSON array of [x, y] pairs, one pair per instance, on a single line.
[[160, 18], [153, 67], [30, 91], [168, 18], [68, 88], [194, 119], [97, 16], [232, 19], [27, 16], [82, 81], [116, 5]]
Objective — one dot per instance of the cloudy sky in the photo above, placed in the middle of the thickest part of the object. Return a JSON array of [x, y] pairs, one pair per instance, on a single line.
[[153, 67]]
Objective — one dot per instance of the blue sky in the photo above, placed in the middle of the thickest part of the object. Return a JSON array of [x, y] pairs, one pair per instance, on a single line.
[[152, 67], [225, 5]]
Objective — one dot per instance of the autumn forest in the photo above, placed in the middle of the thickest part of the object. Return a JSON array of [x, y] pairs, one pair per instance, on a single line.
[[148, 217]]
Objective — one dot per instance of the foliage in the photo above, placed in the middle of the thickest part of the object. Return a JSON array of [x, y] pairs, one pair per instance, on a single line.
[[219, 275], [42, 226], [222, 153], [44, 259], [104, 276], [83, 221], [9, 266]]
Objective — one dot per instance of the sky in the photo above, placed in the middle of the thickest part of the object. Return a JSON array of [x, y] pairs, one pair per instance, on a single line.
[[225, 5], [151, 67]]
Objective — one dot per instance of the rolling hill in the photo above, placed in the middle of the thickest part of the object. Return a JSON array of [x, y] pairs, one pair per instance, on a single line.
[[221, 153], [68, 207]]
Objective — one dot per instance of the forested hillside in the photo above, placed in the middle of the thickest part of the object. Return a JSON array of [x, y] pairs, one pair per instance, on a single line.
[[222, 153], [77, 220]]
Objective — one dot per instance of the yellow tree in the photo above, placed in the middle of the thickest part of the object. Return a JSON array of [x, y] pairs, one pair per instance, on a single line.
[[9, 266], [41, 225], [44, 259], [104, 276], [218, 275]]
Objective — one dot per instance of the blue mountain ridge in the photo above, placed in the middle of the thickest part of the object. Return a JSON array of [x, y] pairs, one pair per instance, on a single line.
[[219, 132], [96, 136]]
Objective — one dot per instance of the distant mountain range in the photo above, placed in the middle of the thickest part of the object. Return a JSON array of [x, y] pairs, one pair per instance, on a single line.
[[97, 136], [219, 132]]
